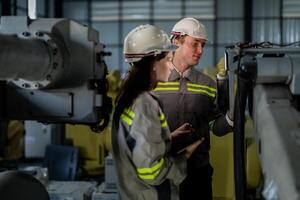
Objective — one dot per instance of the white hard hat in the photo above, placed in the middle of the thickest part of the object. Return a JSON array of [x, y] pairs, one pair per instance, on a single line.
[[146, 40], [189, 26]]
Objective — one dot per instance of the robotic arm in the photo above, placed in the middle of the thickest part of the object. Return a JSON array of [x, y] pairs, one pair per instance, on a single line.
[[268, 82], [52, 70]]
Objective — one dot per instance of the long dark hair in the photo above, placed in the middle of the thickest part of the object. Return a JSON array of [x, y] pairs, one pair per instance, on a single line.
[[137, 81]]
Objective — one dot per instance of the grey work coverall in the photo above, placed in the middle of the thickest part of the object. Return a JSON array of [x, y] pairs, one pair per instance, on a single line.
[[190, 98], [141, 141]]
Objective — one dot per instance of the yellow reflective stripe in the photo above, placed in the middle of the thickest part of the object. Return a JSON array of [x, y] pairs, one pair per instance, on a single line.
[[129, 112], [202, 86], [166, 89], [164, 124], [127, 116], [201, 91], [126, 119], [172, 86], [163, 121], [150, 176], [162, 116], [168, 83], [151, 170]]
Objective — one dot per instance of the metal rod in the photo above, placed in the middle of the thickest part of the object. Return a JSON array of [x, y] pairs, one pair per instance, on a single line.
[[32, 9], [23, 58]]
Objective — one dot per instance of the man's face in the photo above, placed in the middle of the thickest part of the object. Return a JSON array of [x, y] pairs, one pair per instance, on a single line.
[[190, 49]]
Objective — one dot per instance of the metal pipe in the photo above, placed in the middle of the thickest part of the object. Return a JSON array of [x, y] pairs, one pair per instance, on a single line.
[[32, 9], [28, 59]]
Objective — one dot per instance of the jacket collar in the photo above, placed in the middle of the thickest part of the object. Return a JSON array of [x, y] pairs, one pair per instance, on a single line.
[[188, 74]]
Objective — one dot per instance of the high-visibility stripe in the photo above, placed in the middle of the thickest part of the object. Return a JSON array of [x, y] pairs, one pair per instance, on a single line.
[[164, 124], [149, 177], [161, 116], [126, 119], [127, 116], [166, 89], [150, 172], [201, 91], [163, 120], [152, 169], [168, 83], [172, 86], [202, 86], [129, 112]]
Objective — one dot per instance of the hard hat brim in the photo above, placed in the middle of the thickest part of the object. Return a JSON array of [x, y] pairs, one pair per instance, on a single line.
[[137, 57], [174, 34]]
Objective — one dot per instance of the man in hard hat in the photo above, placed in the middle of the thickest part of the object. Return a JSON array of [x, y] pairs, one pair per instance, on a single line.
[[189, 96]]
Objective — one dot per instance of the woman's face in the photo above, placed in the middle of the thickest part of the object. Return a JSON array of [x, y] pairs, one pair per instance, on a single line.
[[163, 67]]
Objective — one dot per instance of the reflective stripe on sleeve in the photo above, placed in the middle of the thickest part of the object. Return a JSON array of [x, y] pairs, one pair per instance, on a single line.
[[129, 112], [151, 172], [127, 116], [163, 121]]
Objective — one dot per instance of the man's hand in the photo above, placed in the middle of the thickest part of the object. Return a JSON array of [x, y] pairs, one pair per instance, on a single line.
[[183, 129]]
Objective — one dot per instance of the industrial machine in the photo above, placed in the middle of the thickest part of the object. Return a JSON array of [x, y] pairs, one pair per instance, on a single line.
[[268, 84], [52, 71]]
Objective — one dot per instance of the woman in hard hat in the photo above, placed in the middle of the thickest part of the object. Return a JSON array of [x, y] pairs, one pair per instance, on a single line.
[[141, 137]]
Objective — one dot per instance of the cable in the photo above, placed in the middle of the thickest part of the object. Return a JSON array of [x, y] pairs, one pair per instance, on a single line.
[[244, 87]]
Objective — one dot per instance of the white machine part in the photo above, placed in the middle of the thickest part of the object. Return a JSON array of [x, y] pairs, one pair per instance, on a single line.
[[274, 73], [51, 70]]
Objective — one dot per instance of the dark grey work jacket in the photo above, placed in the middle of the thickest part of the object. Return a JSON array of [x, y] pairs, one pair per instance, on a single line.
[[191, 98]]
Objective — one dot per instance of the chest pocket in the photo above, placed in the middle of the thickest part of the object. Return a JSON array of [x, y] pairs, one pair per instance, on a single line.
[[201, 89], [199, 98]]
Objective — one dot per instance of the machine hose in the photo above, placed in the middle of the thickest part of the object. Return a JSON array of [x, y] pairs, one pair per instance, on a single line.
[[244, 88]]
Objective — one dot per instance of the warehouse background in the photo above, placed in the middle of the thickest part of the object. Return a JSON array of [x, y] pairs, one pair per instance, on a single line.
[[227, 21]]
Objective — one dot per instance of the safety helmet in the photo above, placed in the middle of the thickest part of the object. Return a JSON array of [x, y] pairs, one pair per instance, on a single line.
[[189, 26], [146, 40]]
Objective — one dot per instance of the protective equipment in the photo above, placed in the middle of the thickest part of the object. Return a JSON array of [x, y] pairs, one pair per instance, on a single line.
[[146, 40], [140, 141], [189, 26]]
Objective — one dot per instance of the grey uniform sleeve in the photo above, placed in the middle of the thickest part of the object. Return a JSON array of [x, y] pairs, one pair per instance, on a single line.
[[149, 154], [220, 124]]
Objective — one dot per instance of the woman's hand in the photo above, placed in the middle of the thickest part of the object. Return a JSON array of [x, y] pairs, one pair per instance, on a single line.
[[192, 147], [183, 129]]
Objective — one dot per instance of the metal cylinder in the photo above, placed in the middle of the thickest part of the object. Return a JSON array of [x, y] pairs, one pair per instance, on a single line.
[[32, 9], [27, 59]]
